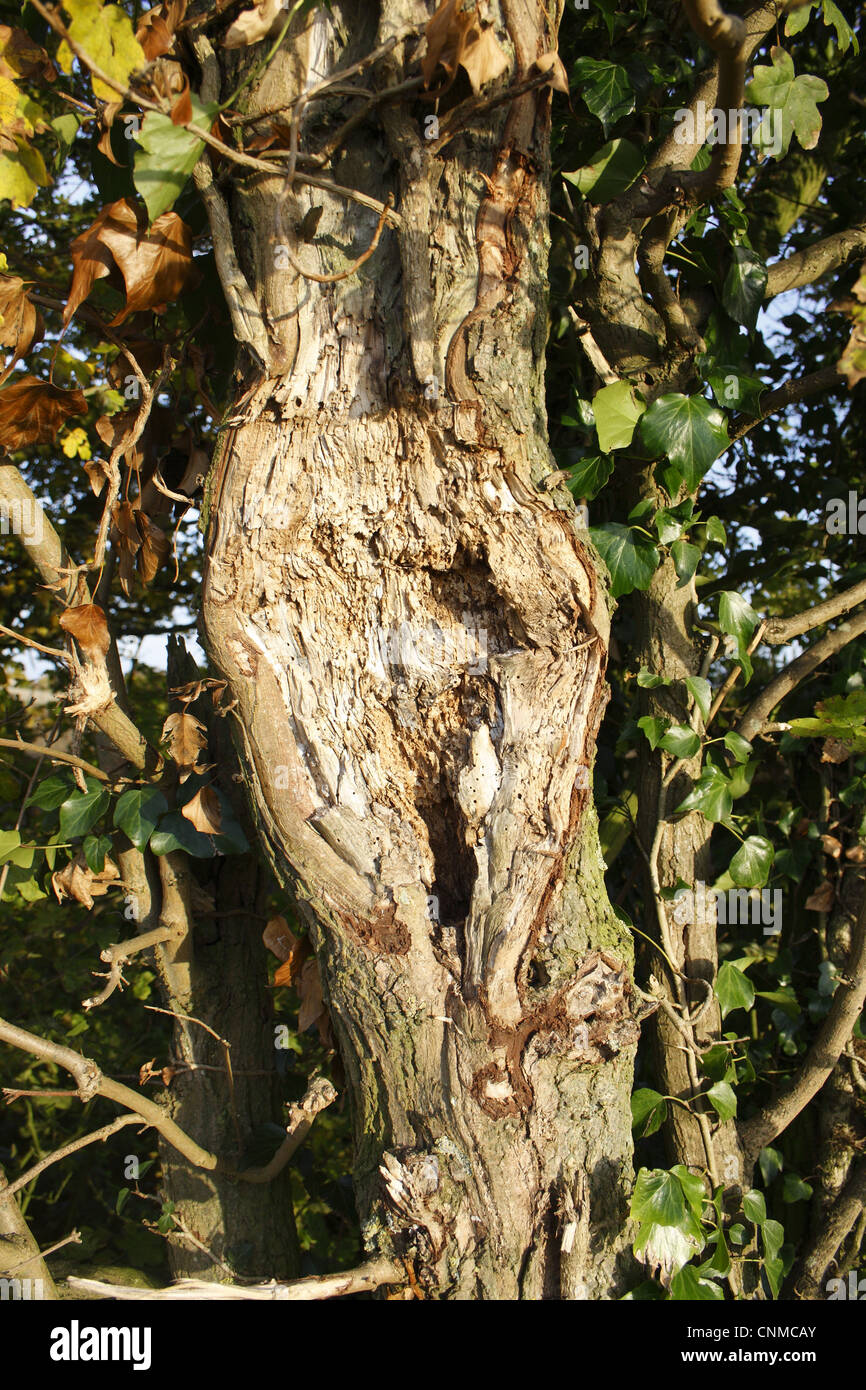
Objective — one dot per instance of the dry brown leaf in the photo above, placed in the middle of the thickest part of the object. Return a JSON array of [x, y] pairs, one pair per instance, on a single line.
[[22, 324], [823, 897], [483, 58], [155, 547], [106, 121], [309, 987], [97, 473], [127, 539], [20, 56], [153, 266], [831, 845], [186, 736], [292, 950], [79, 882], [253, 25], [32, 411], [203, 811], [89, 626], [835, 750], [551, 63], [856, 854]]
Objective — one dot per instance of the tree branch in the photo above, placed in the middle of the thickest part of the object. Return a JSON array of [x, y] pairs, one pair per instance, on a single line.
[[98, 1135], [361, 1280], [759, 711], [781, 630], [806, 266], [116, 956], [789, 393], [822, 1056], [320, 1094], [834, 1228], [38, 750]]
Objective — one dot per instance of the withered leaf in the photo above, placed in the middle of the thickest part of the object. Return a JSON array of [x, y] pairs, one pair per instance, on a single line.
[[155, 547], [253, 25], [106, 121], [290, 949], [203, 811], [20, 56], [454, 39], [22, 324], [822, 899], [856, 854], [309, 987], [155, 264], [32, 411], [551, 63], [831, 846], [186, 736], [835, 750], [158, 26], [97, 473], [79, 882], [89, 626]]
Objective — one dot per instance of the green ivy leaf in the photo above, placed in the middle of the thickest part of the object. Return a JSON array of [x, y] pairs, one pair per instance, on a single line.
[[610, 171], [630, 556], [794, 1189], [740, 747], [176, 832], [167, 155], [654, 729], [754, 1207], [751, 865], [845, 36], [649, 1110], [711, 795], [743, 290], [689, 430], [686, 558], [658, 1198], [647, 680], [137, 813], [733, 989], [723, 1099], [51, 793], [739, 620], [95, 849], [605, 88], [716, 1063], [79, 812], [771, 1162], [688, 1285], [702, 692], [794, 98], [680, 741], [617, 411], [588, 477]]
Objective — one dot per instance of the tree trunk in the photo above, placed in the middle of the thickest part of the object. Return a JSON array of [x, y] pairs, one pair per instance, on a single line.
[[416, 637]]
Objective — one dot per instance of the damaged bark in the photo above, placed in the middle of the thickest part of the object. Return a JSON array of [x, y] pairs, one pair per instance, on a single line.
[[416, 638]]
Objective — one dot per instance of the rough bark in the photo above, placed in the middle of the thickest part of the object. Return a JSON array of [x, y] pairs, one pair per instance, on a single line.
[[416, 636]]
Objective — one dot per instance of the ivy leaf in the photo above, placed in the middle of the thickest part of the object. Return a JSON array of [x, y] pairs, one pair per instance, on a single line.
[[680, 741], [588, 477], [711, 795], [688, 1285], [739, 746], [733, 989], [794, 98], [79, 812], [51, 793], [794, 1189], [702, 692], [743, 290], [754, 1207], [649, 1110], [771, 1163], [610, 171], [653, 728], [175, 832], [690, 430], [658, 1198], [716, 530], [739, 620], [630, 556], [616, 411], [605, 88], [137, 814], [648, 681], [686, 558], [167, 156], [723, 1099]]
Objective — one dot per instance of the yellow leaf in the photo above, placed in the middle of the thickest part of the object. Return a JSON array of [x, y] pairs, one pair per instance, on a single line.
[[64, 57], [105, 34], [8, 102], [21, 172], [75, 444]]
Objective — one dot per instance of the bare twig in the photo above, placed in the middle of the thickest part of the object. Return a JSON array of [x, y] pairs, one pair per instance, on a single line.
[[117, 955], [320, 1094], [98, 1136], [361, 1280]]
